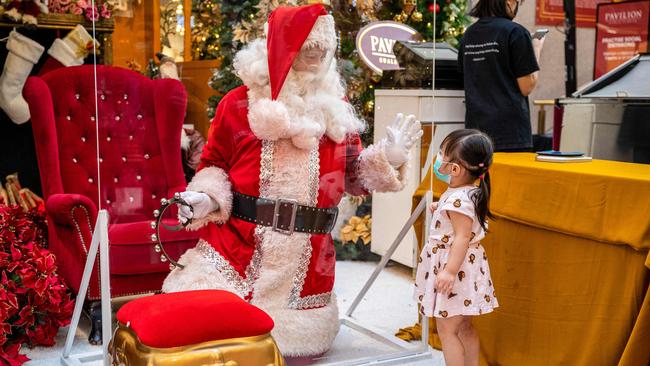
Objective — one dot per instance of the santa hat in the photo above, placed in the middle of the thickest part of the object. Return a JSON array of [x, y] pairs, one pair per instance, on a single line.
[[288, 30]]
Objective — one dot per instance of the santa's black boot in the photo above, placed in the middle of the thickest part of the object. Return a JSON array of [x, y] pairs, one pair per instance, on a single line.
[[94, 311]]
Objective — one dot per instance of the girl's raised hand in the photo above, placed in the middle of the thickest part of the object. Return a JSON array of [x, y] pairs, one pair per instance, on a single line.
[[433, 206]]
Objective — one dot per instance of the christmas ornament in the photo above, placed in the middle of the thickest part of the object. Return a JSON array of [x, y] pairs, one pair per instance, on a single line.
[[369, 106], [434, 8], [416, 16], [366, 10], [408, 6]]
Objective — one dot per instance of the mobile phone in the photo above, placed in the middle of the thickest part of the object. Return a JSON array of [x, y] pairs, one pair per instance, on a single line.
[[560, 153], [540, 33]]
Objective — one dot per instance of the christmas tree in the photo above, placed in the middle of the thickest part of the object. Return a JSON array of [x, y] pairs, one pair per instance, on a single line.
[[205, 37]]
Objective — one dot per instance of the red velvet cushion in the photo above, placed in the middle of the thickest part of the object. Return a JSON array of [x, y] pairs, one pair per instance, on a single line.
[[184, 318], [133, 240]]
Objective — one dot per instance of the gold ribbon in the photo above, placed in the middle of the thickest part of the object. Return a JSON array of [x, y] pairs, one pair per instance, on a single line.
[[83, 48]]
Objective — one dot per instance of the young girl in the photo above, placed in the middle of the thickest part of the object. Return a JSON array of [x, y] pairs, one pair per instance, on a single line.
[[453, 278]]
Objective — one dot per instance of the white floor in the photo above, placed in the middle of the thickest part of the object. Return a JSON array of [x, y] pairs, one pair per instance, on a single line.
[[387, 307]]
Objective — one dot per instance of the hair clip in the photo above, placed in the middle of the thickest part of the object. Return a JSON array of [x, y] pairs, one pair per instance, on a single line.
[[481, 165]]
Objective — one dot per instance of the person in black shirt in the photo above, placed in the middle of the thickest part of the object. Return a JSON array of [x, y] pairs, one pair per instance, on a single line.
[[499, 62]]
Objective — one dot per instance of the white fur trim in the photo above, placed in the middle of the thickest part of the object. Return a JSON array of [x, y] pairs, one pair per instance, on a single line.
[[24, 47], [198, 274], [62, 53], [305, 332], [269, 119], [323, 34], [376, 173], [297, 332], [214, 182]]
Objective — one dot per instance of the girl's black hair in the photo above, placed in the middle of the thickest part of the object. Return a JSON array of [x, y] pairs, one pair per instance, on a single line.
[[473, 150], [490, 8]]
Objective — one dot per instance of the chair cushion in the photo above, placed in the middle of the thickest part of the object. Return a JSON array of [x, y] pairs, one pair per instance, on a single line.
[[131, 241], [191, 317]]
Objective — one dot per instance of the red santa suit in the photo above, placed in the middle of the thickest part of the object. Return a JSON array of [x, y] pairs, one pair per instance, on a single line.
[[283, 135]]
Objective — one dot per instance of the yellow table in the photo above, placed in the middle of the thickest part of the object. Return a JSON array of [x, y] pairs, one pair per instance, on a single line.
[[569, 260]]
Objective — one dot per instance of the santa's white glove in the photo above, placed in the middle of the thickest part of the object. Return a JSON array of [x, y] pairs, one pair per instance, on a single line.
[[201, 204], [401, 135]]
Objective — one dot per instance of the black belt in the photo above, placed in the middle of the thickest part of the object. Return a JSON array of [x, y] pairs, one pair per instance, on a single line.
[[285, 216]]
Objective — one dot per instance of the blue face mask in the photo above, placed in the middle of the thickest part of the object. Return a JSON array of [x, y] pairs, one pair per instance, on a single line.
[[436, 169]]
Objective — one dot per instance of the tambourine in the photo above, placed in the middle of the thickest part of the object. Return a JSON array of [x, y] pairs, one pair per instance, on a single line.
[[155, 238]]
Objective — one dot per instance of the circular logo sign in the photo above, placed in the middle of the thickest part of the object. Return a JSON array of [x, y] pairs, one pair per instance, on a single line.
[[375, 43]]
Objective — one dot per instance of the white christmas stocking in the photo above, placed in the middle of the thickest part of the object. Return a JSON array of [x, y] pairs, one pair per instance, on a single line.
[[23, 54]]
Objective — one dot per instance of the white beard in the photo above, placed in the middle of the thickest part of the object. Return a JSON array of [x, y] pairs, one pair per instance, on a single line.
[[309, 106]]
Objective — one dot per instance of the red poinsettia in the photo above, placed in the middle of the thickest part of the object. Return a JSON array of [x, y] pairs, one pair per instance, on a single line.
[[34, 302], [11, 356]]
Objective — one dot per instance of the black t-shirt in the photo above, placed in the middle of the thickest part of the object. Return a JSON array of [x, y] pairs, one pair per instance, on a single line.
[[493, 53]]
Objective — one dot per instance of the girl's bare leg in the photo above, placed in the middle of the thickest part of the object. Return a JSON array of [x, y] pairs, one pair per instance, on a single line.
[[452, 347], [469, 338]]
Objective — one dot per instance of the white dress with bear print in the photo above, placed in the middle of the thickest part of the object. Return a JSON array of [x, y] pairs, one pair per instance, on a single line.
[[472, 292]]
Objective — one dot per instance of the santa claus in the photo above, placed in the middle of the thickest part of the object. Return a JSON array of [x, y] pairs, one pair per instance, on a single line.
[[281, 152]]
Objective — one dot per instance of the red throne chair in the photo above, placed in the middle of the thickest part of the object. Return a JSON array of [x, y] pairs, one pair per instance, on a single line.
[[139, 123]]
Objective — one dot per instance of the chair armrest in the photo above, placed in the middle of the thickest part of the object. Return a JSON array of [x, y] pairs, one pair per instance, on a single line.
[[59, 207]]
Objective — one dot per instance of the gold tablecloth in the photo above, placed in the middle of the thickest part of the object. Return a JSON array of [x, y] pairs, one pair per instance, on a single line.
[[569, 259]]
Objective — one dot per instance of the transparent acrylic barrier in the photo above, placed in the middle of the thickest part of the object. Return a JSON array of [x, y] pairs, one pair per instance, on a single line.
[[181, 62], [48, 135]]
